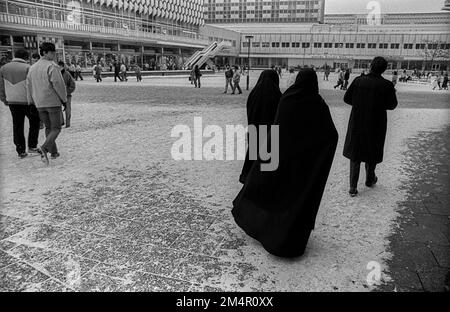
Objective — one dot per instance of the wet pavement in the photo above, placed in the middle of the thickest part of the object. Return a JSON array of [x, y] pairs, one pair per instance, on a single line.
[[116, 213]]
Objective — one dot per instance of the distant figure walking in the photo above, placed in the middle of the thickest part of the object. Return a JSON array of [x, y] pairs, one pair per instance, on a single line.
[[137, 71], [292, 77], [46, 88], [236, 80], [98, 72], [70, 88], [341, 76], [13, 92], [78, 73], [395, 78], [370, 96], [445, 82], [117, 71], [228, 79], [123, 72], [346, 79], [326, 73], [197, 75]]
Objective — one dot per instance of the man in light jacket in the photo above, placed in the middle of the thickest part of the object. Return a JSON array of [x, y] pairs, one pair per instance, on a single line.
[[13, 92], [46, 88]]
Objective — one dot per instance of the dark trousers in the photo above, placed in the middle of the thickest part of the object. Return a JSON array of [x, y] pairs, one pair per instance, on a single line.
[[237, 86], [117, 75], [52, 118], [78, 75], [355, 167], [19, 112], [197, 82]]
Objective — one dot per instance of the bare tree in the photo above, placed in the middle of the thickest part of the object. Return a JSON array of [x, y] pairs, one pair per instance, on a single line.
[[435, 51]]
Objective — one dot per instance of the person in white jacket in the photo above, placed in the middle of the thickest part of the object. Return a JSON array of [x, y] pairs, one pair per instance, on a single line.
[[46, 88]]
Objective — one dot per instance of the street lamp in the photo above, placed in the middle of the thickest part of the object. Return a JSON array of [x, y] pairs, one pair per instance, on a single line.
[[249, 38]]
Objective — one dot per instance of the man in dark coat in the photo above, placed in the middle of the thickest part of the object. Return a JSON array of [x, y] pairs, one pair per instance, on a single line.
[[279, 208], [262, 107], [370, 96], [117, 71]]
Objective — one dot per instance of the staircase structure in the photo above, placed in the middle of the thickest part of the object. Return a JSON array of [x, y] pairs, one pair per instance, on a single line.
[[203, 57]]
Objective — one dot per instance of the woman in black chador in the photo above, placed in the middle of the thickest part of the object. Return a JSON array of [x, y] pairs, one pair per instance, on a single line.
[[279, 208], [262, 107]]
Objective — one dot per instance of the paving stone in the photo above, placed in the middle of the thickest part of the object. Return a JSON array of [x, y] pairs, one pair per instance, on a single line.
[[49, 285], [66, 268], [158, 260], [6, 259], [434, 279], [6, 245], [442, 255], [19, 277], [198, 242], [10, 226], [145, 282], [93, 282], [158, 235]]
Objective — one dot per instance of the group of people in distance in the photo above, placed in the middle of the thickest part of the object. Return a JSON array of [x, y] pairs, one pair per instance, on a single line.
[[39, 92], [232, 79], [279, 208]]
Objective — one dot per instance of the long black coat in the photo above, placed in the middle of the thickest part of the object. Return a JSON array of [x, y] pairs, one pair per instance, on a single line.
[[262, 105], [370, 96], [278, 208]]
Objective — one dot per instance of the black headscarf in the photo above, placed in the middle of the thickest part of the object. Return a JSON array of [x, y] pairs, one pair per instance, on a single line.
[[263, 101], [262, 105]]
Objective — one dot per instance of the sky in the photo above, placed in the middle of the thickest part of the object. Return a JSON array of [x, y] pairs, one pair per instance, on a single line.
[[387, 6]]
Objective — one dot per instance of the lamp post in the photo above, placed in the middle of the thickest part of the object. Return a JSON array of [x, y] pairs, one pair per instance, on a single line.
[[249, 38]]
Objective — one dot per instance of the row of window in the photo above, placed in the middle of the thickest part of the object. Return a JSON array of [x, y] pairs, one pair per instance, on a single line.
[[394, 46]]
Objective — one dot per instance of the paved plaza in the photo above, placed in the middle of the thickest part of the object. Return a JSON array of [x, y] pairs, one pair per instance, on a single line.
[[116, 213]]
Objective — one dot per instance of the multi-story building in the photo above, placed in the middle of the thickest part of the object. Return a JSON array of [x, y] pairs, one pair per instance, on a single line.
[[160, 33], [421, 42], [389, 19], [264, 11]]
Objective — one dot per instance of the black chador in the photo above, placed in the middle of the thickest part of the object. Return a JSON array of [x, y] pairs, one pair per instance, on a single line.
[[262, 107], [278, 208]]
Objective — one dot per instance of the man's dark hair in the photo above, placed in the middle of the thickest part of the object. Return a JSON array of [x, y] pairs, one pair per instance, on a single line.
[[378, 65], [46, 47], [35, 56], [61, 63], [22, 54]]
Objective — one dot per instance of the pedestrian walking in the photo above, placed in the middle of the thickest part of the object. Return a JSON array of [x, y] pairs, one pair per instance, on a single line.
[[137, 71], [341, 76], [46, 88], [262, 105], [78, 73], [70, 88], [346, 79], [13, 93], [279, 208], [117, 71], [98, 72], [228, 78], [327, 73], [197, 75], [72, 70], [370, 97], [123, 72], [395, 78], [292, 77], [445, 82], [236, 80]]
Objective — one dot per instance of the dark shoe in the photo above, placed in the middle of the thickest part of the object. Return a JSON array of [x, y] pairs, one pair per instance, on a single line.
[[33, 150], [44, 156], [353, 192], [55, 155], [23, 155], [371, 184]]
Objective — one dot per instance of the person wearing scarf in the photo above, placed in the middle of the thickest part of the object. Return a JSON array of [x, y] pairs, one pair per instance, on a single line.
[[279, 208], [262, 107]]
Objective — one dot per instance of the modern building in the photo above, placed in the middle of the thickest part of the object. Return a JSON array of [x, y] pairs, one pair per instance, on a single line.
[[446, 5], [408, 41], [264, 11], [160, 33]]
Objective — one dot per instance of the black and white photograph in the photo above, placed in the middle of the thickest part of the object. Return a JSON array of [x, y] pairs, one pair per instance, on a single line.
[[243, 148]]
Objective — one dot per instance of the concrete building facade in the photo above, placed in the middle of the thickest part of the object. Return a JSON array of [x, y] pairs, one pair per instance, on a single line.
[[264, 11], [159, 33]]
